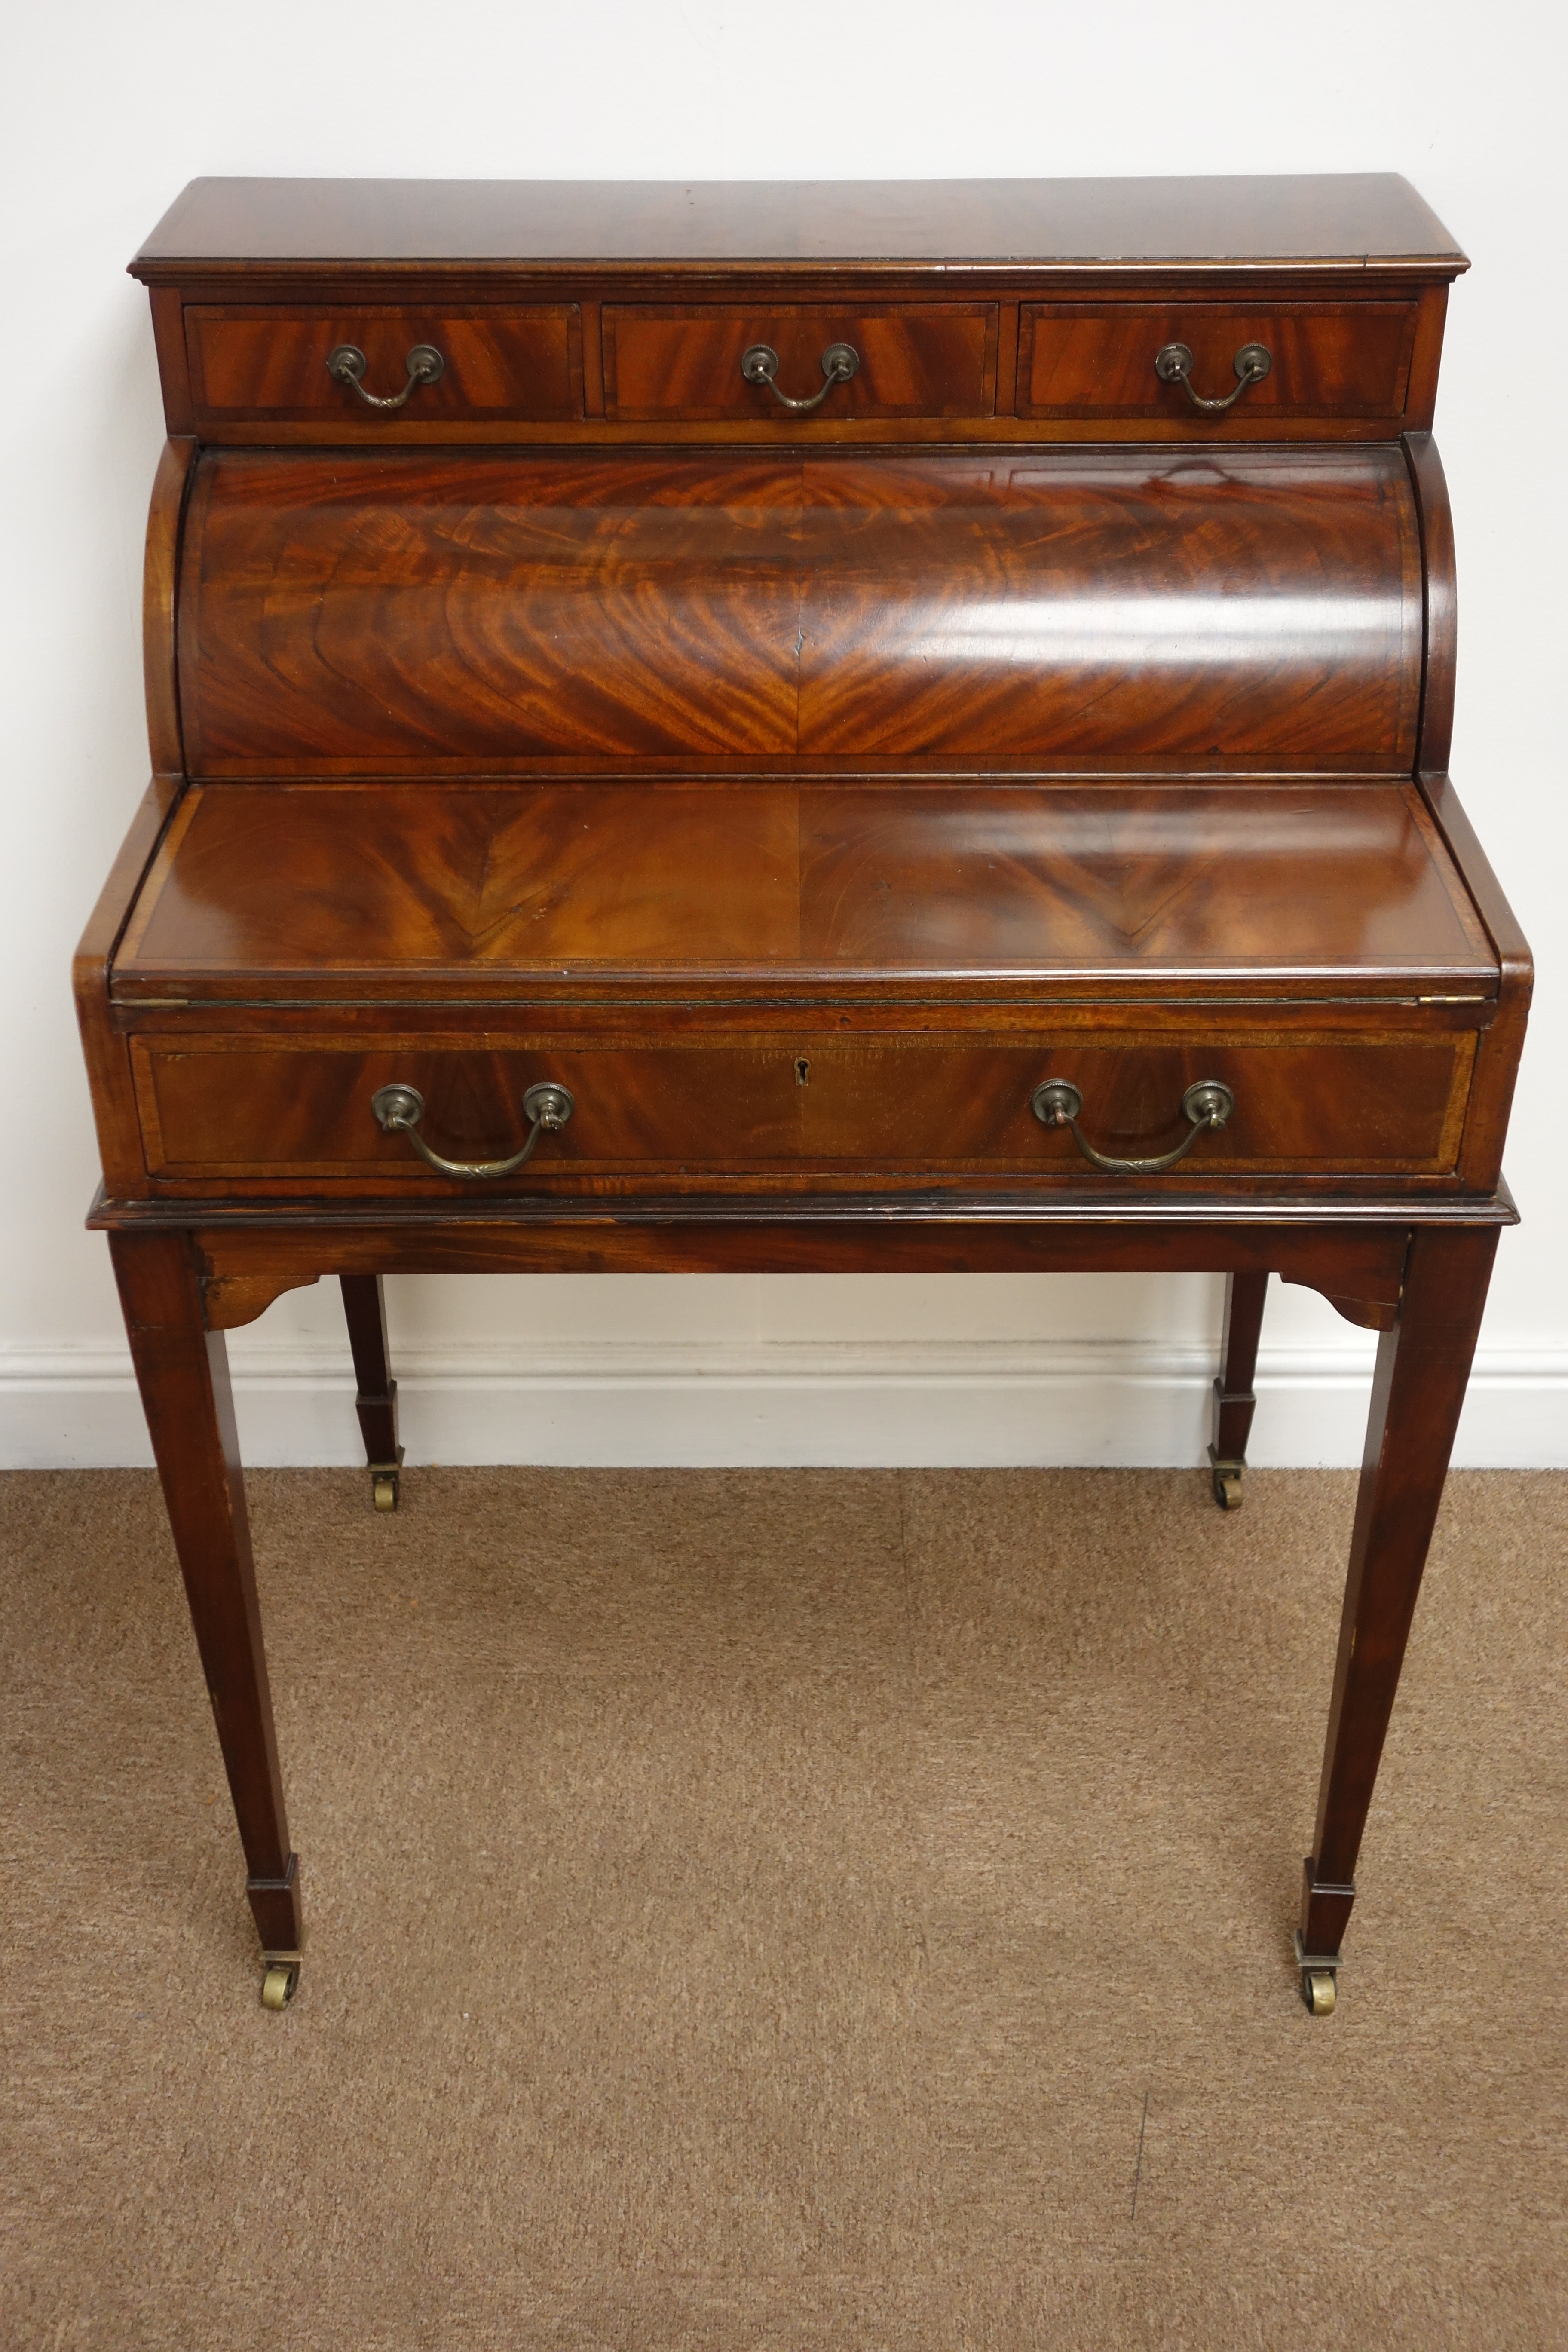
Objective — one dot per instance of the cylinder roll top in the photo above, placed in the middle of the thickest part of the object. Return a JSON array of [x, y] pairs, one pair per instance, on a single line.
[[1109, 610]]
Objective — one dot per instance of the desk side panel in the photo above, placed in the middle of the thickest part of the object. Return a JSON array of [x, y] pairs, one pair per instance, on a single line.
[[104, 1044], [1502, 1046]]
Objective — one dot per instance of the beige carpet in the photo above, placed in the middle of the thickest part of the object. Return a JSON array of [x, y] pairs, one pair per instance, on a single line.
[[781, 1909]]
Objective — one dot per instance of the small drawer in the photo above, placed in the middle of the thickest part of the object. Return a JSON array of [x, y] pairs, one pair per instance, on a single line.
[[682, 363], [261, 362], [1326, 359], [753, 1106]]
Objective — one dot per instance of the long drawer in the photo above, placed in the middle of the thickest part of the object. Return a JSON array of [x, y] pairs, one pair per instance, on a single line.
[[227, 1109]]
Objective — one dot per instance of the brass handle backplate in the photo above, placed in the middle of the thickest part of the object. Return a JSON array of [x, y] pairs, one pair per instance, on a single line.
[[1208, 1104], [399, 1108], [1175, 366], [760, 364], [347, 365]]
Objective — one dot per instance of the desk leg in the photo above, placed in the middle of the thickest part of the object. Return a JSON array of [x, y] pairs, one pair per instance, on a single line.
[[364, 1305], [1234, 1401], [1418, 1389], [182, 1368]]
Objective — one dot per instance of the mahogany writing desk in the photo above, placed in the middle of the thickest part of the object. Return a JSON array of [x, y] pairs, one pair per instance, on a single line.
[[794, 729]]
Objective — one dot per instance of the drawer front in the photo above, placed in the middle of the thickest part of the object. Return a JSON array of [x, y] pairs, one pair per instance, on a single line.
[[670, 363], [1327, 358], [230, 1110], [258, 361]]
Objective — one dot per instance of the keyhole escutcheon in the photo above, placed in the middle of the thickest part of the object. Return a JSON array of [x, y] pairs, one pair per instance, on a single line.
[[801, 1071]]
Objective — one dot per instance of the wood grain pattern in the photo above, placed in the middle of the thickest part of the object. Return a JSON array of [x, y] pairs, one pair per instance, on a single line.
[[322, 892], [1059, 1232], [1425, 359], [1234, 1398], [372, 614], [182, 1368], [800, 800], [1418, 1393], [516, 359], [1497, 1066], [1436, 521], [1093, 360], [159, 573], [869, 251], [999, 437], [1375, 220], [229, 1300], [168, 310], [241, 1111], [375, 1402], [104, 1043], [684, 361]]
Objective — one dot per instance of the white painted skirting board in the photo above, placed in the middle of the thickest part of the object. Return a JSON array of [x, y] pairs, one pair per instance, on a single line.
[[1117, 1403]]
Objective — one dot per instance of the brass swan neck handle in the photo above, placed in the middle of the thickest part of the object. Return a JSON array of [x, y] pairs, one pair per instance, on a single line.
[[399, 1108], [1252, 362], [1207, 1104], [347, 365], [760, 364]]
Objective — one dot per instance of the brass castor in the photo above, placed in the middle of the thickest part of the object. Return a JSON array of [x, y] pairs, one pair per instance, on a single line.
[[384, 1489], [279, 1984], [1319, 1979], [1318, 1992], [1227, 1487]]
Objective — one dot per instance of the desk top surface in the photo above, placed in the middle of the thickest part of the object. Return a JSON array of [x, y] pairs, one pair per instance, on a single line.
[[399, 891], [1339, 218]]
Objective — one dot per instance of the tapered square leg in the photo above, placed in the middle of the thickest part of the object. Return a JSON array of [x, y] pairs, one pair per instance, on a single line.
[[364, 1306], [182, 1370], [1418, 1391], [1234, 1401]]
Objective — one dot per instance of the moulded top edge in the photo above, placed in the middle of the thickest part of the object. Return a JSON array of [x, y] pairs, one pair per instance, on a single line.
[[1344, 219]]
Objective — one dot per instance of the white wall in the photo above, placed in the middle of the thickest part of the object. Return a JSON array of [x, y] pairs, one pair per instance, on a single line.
[[110, 109]]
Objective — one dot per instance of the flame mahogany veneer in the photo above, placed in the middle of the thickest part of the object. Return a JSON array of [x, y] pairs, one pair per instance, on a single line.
[[1103, 610], [800, 788]]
